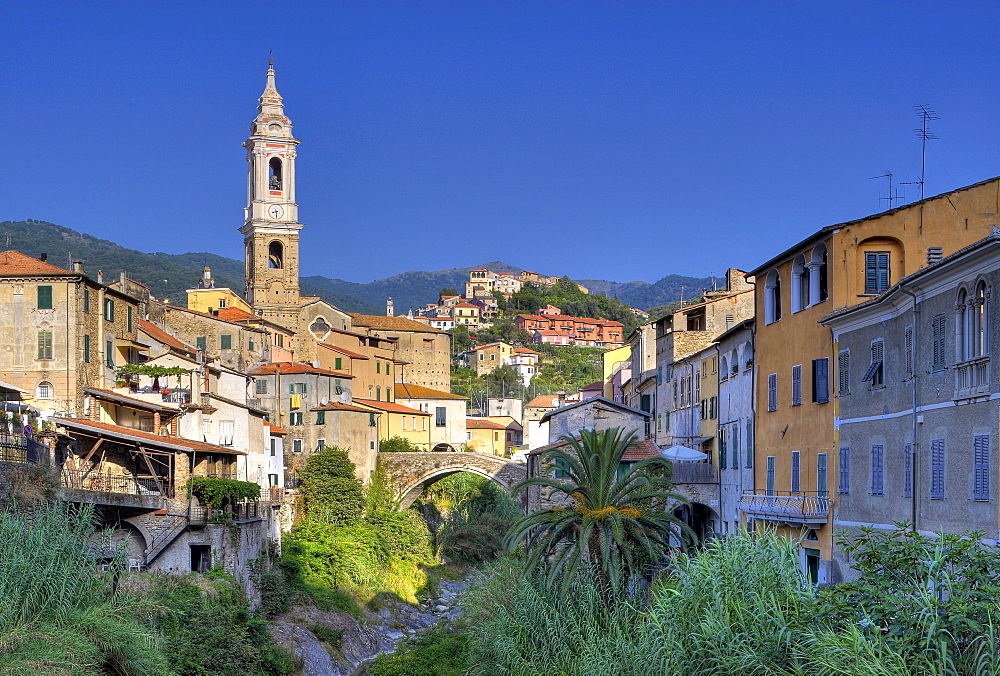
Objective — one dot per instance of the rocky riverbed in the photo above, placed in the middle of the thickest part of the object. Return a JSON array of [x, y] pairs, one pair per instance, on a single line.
[[311, 634]]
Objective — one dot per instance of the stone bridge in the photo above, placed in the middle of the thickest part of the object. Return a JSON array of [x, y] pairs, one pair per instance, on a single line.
[[412, 472]]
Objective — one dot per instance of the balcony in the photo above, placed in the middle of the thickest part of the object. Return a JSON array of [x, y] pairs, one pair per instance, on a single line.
[[972, 378], [694, 473], [21, 449], [787, 507], [126, 484]]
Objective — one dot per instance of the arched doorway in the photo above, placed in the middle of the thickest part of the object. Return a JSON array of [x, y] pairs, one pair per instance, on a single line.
[[701, 519]]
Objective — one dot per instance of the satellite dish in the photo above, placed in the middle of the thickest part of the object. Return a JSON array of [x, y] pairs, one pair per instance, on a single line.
[[344, 397], [324, 401], [315, 363]]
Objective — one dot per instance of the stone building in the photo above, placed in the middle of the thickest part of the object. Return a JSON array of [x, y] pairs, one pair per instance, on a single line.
[[447, 409], [236, 345], [61, 331], [735, 422], [423, 353], [917, 403]]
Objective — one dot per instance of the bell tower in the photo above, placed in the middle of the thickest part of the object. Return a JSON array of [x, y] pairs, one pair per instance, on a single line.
[[271, 228]]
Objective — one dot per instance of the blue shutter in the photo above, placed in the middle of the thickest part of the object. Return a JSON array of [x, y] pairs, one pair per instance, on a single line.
[[981, 451], [736, 446], [877, 469], [749, 443], [772, 392], [770, 475], [722, 449], [795, 471], [821, 380], [937, 469], [796, 384], [844, 484], [821, 481]]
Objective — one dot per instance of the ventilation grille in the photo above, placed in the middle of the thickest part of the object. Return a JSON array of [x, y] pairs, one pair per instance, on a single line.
[[934, 254]]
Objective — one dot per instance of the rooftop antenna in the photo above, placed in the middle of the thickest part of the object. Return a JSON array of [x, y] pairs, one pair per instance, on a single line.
[[892, 195], [925, 135]]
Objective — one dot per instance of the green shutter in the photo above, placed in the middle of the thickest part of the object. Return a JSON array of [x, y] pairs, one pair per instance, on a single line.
[[86, 299], [305, 388], [109, 354], [338, 363], [201, 342], [129, 319], [86, 348], [227, 341], [378, 367], [44, 297], [387, 365], [291, 389], [321, 417]]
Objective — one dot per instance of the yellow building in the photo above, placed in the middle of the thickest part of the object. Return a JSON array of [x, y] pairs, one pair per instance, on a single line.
[[207, 298], [614, 361], [709, 404], [486, 436], [800, 371], [491, 356], [467, 314], [400, 421]]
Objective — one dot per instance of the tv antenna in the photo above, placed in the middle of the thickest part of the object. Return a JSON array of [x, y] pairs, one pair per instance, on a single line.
[[893, 195], [925, 135]]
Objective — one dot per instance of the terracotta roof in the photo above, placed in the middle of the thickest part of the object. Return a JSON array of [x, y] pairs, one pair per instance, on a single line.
[[203, 314], [337, 406], [524, 350], [129, 401], [641, 450], [161, 336], [597, 385], [466, 305], [390, 407], [274, 429], [390, 323], [479, 424], [486, 345], [16, 263], [409, 391], [175, 443], [235, 314], [543, 401], [335, 348], [288, 368]]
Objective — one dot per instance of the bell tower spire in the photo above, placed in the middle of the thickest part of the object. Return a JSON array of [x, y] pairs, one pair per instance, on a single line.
[[271, 228]]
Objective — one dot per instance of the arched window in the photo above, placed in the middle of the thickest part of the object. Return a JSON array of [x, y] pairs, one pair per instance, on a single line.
[[962, 315], [980, 342], [275, 255], [45, 390], [747, 355], [800, 284], [817, 275], [772, 297], [274, 174], [723, 368], [734, 362]]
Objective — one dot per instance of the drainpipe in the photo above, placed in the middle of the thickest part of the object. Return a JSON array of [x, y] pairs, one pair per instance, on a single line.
[[913, 413]]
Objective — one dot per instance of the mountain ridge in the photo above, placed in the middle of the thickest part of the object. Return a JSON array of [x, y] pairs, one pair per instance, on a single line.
[[169, 275]]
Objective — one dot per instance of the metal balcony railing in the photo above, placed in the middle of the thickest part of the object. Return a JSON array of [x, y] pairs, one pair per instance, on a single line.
[[694, 473], [21, 449], [115, 483], [972, 378], [801, 507]]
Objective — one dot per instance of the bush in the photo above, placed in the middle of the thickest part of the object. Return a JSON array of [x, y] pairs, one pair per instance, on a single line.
[[398, 445], [479, 514], [219, 493], [333, 493], [436, 652]]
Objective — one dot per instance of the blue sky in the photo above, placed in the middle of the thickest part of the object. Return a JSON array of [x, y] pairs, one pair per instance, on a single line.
[[617, 140]]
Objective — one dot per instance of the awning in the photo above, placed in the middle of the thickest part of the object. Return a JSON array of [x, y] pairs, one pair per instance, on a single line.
[[683, 454]]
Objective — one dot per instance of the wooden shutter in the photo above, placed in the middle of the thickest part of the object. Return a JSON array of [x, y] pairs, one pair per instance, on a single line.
[[908, 350], [770, 475], [981, 460], [937, 332], [844, 483], [937, 469], [796, 384], [843, 373], [749, 438], [821, 380], [772, 392], [736, 446], [821, 479], [722, 449], [908, 471], [795, 471], [877, 469], [44, 297]]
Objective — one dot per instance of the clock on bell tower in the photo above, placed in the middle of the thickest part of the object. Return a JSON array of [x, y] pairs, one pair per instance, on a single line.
[[271, 228]]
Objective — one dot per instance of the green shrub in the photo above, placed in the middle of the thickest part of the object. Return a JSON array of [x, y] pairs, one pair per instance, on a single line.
[[333, 493], [436, 652], [398, 445], [218, 493]]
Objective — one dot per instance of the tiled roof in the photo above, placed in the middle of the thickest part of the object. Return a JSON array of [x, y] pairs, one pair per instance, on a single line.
[[274, 429], [543, 401], [409, 391], [390, 407], [478, 424], [641, 450], [597, 385], [337, 406], [201, 314], [486, 345], [524, 350], [16, 263], [288, 368], [390, 323], [161, 336], [341, 350], [138, 436], [466, 305], [235, 314], [129, 401]]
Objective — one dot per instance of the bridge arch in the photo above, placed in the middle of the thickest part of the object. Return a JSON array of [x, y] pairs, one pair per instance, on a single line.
[[410, 473]]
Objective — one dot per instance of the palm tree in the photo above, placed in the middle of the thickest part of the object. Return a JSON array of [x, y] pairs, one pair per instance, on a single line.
[[616, 519]]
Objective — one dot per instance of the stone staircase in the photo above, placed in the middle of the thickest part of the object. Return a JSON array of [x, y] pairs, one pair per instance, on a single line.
[[171, 526]]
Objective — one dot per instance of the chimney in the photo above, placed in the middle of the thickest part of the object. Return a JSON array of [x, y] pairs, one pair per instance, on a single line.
[[123, 277], [43, 257], [78, 266], [100, 276]]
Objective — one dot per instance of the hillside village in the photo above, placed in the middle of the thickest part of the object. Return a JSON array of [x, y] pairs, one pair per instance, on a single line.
[[844, 383]]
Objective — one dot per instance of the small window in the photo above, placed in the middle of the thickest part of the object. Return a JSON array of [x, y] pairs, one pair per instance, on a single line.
[[109, 354], [378, 366], [226, 431], [129, 318], [561, 468], [796, 468], [981, 468], [338, 363], [821, 380], [86, 299], [295, 417], [797, 385], [320, 445], [371, 420], [261, 386], [226, 341], [937, 340], [844, 483], [320, 417], [770, 475], [876, 271], [772, 392], [109, 309], [878, 469], [86, 348], [937, 469], [749, 438], [250, 345], [274, 447], [44, 390], [876, 372], [908, 471], [44, 298], [45, 345], [821, 480], [201, 342], [440, 416], [843, 373], [296, 445]]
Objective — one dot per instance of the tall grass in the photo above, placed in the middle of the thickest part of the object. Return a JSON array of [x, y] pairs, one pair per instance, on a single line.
[[58, 612]]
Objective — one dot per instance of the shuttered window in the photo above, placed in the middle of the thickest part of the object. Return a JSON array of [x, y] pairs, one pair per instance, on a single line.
[[908, 471], [109, 354], [878, 469], [937, 342], [844, 483], [86, 299], [821, 380], [45, 345], [338, 363], [129, 317], [770, 475], [201, 342], [797, 385], [735, 443], [876, 271], [795, 471], [821, 476], [109, 309], [843, 373], [981, 470], [86, 348], [722, 449], [226, 341], [749, 439], [908, 350], [876, 371], [937, 469], [44, 298], [772, 392], [440, 416]]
